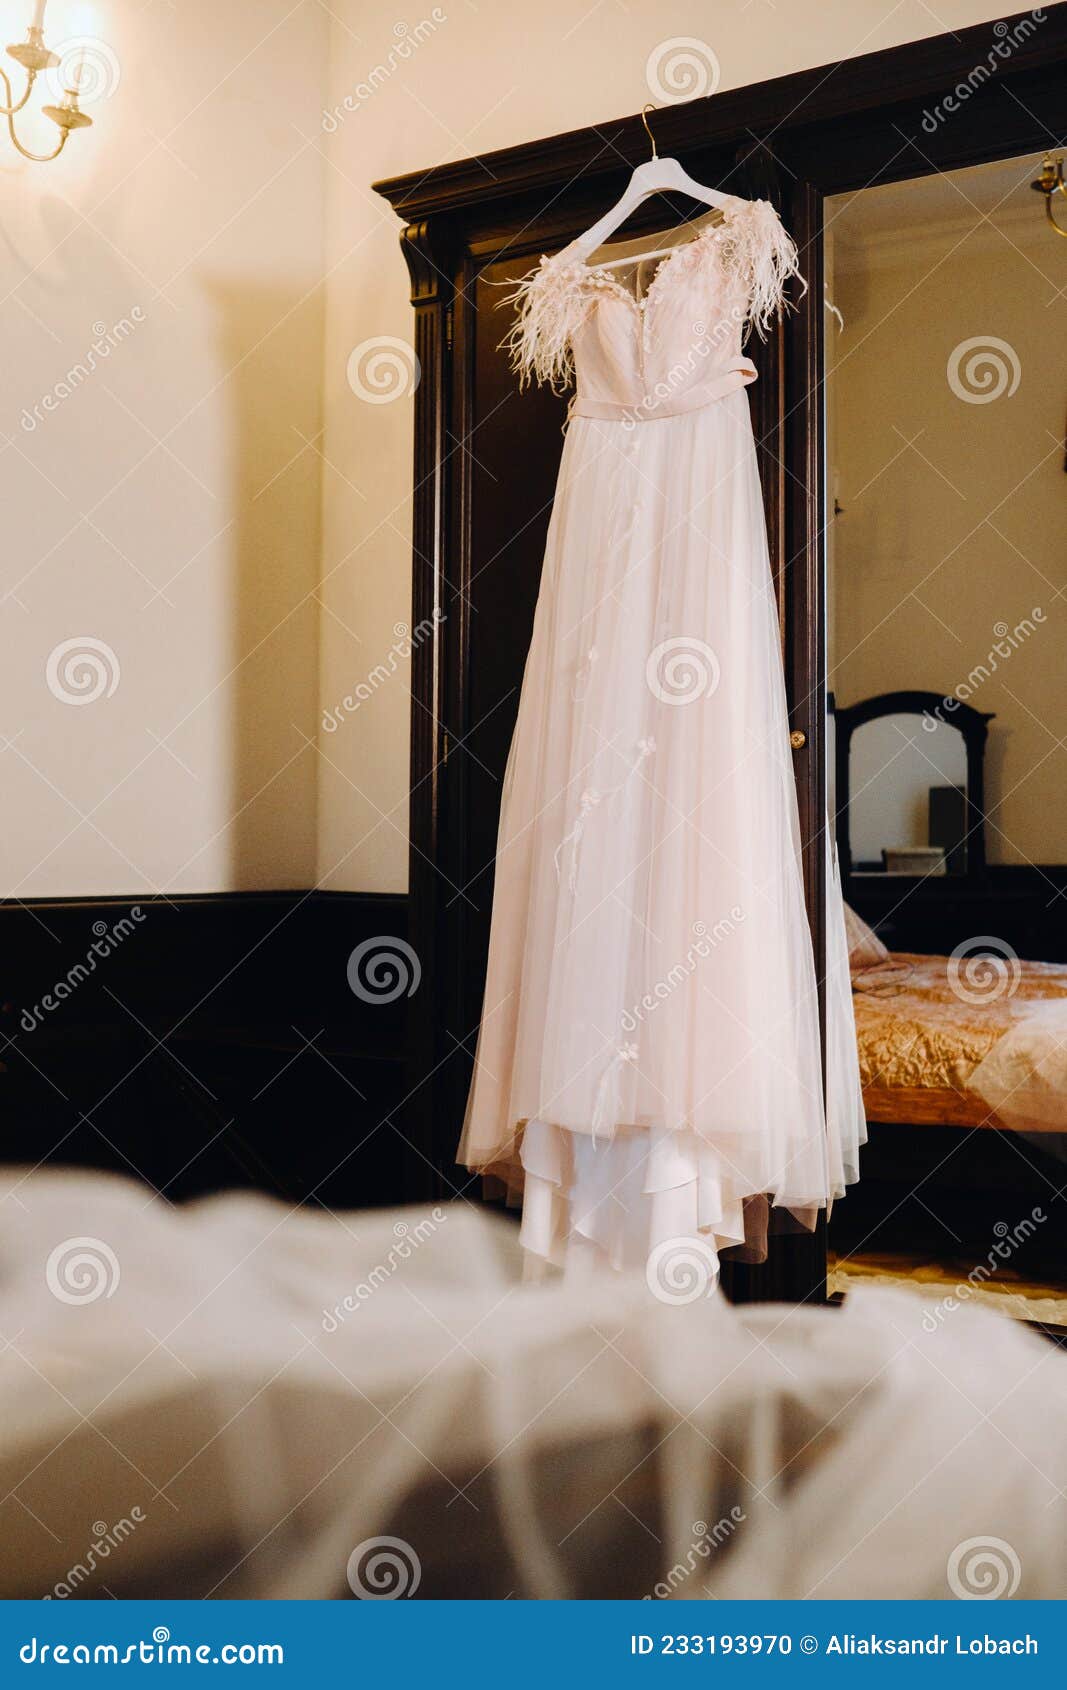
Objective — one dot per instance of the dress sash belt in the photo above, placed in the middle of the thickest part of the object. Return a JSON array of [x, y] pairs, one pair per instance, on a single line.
[[655, 406]]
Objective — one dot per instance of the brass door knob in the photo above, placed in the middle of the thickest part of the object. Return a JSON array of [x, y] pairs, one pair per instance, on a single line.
[[798, 739]]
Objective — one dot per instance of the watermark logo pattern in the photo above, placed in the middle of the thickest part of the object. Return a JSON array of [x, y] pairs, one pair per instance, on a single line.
[[383, 1569], [982, 369], [382, 969], [81, 670], [983, 969], [82, 1270], [682, 670], [682, 1270], [683, 68], [87, 65], [382, 369], [983, 1569]]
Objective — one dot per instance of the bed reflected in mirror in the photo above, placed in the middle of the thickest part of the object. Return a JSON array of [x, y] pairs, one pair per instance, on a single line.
[[946, 576]]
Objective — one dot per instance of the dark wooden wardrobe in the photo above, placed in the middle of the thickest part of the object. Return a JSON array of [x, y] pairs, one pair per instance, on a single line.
[[486, 459]]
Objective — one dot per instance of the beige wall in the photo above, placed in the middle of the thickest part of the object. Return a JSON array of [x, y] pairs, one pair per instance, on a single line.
[[220, 454], [162, 503], [951, 552]]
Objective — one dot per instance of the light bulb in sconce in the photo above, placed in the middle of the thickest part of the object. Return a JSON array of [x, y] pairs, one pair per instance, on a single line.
[[35, 56], [1051, 182]]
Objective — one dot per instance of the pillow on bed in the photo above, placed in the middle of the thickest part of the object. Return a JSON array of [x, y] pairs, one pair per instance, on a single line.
[[865, 949]]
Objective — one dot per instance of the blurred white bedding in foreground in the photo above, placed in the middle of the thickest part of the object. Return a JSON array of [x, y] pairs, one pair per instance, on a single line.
[[233, 1399]]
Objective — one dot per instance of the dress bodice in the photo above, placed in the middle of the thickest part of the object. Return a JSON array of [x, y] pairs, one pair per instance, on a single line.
[[676, 348]]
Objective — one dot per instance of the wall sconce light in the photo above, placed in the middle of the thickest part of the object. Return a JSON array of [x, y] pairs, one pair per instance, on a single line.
[[34, 56], [1051, 182]]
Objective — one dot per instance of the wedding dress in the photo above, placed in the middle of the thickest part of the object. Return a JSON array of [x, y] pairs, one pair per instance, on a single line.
[[648, 1065]]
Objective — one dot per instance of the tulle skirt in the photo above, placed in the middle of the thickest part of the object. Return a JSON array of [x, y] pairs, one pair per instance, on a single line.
[[648, 1063]]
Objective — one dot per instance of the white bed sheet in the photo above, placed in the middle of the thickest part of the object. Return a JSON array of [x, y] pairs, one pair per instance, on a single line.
[[271, 1390]]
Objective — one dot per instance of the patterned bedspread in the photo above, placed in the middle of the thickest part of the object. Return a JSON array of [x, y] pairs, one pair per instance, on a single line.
[[925, 1022]]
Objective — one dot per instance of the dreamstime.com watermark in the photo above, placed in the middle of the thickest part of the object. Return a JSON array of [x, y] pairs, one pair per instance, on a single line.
[[106, 340], [87, 64], [158, 1650], [81, 670], [682, 1270], [82, 1270], [682, 68], [1008, 1240], [383, 1569], [983, 1569], [106, 1539], [383, 968], [107, 940], [409, 1239], [408, 40], [682, 670], [383, 369], [983, 368], [705, 940], [1006, 642], [405, 641], [1007, 37], [705, 1539], [983, 969]]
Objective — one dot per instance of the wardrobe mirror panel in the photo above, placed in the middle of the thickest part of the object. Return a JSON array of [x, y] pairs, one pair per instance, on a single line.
[[946, 559]]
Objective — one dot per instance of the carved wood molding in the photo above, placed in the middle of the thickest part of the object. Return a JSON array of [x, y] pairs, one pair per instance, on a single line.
[[427, 250]]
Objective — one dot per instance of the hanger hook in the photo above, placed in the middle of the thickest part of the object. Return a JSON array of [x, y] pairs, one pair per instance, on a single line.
[[645, 109]]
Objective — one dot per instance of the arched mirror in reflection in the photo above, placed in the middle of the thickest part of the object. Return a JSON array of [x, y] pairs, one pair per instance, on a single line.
[[911, 785]]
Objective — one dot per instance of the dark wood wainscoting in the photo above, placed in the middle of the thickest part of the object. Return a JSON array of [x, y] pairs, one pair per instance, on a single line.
[[210, 1042]]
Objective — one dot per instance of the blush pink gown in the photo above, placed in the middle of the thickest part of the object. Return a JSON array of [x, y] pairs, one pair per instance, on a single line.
[[648, 1063]]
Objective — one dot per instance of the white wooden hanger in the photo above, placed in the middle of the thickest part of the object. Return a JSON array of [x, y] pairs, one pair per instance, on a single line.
[[656, 176]]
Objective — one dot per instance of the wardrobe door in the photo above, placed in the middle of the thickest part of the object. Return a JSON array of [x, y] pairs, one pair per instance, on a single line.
[[504, 450], [787, 422], [803, 543]]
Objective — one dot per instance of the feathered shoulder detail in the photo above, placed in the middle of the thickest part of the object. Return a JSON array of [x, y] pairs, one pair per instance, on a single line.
[[550, 303], [553, 299], [764, 256]]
